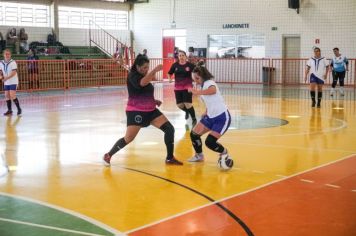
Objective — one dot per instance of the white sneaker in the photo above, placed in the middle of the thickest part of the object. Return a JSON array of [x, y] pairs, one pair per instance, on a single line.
[[197, 158], [332, 92], [342, 93], [224, 153]]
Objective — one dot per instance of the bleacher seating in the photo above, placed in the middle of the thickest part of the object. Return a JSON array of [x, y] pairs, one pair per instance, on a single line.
[[53, 52]]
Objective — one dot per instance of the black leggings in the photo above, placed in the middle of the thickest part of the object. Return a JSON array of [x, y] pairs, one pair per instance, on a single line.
[[338, 76]]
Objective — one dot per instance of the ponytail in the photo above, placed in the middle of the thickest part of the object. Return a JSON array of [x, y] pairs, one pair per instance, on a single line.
[[139, 61], [202, 71]]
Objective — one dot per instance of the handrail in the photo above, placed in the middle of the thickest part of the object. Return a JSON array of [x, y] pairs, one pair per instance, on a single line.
[[110, 45]]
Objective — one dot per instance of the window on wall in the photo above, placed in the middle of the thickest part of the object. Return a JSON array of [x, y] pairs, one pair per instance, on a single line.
[[70, 17], [237, 46], [19, 14]]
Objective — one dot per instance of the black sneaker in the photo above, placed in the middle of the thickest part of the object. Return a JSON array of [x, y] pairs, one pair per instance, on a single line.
[[187, 127], [8, 113], [186, 115], [173, 161], [106, 159], [318, 106], [19, 112], [313, 104]]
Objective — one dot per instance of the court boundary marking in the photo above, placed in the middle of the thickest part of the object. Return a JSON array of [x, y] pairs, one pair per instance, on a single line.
[[225, 209], [344, 125], [3, 164], [48, 227], [328, 130], [242, 193], [67, 211], [282, 177]]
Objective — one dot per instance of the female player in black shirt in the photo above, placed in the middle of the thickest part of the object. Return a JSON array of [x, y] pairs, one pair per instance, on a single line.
[[182, 70], [141, 110]]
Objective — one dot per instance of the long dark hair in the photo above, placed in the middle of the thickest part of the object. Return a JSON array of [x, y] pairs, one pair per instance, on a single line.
[[139, 61], [181, 51], [202, 72]]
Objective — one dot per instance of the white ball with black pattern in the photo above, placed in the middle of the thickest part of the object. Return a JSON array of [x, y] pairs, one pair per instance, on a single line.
[[225, 162]]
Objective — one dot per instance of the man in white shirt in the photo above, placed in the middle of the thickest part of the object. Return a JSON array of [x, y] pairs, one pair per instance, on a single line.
[[316, 71]]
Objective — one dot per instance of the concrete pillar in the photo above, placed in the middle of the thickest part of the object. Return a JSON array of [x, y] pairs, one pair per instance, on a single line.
[[55, 19]]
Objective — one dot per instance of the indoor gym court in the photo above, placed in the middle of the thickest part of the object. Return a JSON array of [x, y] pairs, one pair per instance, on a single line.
[[294, 167]]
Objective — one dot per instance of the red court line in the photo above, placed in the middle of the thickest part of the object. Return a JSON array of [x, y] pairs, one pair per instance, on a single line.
[[288, 207]]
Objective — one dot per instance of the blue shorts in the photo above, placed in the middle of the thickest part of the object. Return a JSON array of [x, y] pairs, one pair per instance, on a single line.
[[219, 124], [314, 79], [10, 87]]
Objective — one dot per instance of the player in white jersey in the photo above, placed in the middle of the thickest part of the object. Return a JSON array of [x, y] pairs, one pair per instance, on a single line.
[[339, 65], [318, 68], [8, 74], [215, 120]]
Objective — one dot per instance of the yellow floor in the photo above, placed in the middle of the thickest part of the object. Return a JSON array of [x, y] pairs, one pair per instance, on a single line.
[[54, 151]]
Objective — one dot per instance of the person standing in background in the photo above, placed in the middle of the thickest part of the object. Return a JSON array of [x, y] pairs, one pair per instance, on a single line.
[[175, 54], [191, 57], [144, 52], [2, 43], [23, 37], [8, 72], [182, 71], [32, 59], [318, 67], [13, 39], [339, 66]]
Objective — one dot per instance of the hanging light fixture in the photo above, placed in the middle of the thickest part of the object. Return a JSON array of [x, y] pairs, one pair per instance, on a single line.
[[173, 23]]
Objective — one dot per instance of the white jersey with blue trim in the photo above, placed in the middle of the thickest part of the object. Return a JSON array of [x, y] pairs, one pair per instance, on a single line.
[[339, 63], [318, 67], [7, 68], [215, 104]]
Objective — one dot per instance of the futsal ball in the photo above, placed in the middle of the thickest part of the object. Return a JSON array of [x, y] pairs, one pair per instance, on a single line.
[[225, 162]]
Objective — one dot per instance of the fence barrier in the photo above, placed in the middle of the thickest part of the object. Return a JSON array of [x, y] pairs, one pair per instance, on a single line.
[[80, 73]]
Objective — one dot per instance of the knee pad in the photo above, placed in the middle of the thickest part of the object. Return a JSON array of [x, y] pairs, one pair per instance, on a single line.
[[195, 138], [168, 130], [211, 143]]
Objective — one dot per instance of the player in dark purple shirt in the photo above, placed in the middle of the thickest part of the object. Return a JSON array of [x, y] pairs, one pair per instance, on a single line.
[[182, 70], [141, 110]]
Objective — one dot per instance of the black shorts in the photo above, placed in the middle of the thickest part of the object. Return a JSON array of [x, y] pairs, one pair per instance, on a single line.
[[339, 75], [142, 118], [183, 96]]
